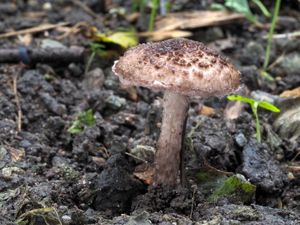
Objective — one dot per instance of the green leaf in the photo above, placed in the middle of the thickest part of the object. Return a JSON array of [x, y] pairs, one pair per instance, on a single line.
[[241, 6], [241, 99], [262, 8], [238, 6], [83, 119], [268, 106], [125, 39], [87, 118], [75, 128], [217, 6], [266, 75]]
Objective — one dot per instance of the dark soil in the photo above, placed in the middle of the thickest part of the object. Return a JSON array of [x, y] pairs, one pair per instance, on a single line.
[[50, 176]]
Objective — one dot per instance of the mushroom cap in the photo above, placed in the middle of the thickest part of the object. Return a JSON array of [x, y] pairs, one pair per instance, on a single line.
[[179, 65]]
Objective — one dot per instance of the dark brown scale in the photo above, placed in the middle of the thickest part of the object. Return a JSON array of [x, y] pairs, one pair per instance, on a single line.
[[156, 67], [189, 64], [203, 65], [223, 62], [200, 54], [182, 61], [175, 60], [195, 60], [210, 53], [199, 75]]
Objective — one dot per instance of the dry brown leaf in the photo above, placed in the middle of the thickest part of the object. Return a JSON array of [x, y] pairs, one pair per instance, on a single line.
[[25, 39], [132, 17], [233, 110], [16, 154], [291, 93], [206, 110], [195, 19], [132, 93], [99, 161], [145, 173], [162, 35]]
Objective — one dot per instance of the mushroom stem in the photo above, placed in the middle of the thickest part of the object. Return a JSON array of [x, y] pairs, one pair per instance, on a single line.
[[169, 147]]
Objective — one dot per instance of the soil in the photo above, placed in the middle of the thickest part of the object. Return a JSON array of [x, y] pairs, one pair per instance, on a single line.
[[50, 176]]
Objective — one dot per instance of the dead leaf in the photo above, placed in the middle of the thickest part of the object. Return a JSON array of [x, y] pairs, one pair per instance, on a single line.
[[195, 19], [99, 161], [233, 110], [162, 35], [291, 93], [145, 173], [16, 154], [132, 93], [206, 110], [25, 39]]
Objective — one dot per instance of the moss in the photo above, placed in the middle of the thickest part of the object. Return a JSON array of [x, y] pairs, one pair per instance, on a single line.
[[234, 188]]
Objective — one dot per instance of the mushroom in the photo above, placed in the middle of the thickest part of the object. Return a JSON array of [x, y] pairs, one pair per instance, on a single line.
[[181, 68]]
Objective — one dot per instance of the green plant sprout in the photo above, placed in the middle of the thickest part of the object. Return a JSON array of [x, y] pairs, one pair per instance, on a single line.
[[242, 6], [254, 106], [83, 119], [97, 49], [154, 8], [270, 35], [163, 5]]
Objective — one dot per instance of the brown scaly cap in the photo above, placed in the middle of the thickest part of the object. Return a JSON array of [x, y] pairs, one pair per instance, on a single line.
[[180, 65]]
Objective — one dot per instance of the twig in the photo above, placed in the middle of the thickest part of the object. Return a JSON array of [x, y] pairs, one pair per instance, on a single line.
[[294, 168], [19, 109], [296, 156], [87, 10], [290, 35], [193, 201], [217, 170], [135, 157], [278, 60], [46, 55], [37, 29]]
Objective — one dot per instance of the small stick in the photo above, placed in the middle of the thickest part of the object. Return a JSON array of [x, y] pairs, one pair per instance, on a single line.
[[56, 56], [193, 201], [135, 157], [19, 109], [85, 8], [37, 29], [290, 35]]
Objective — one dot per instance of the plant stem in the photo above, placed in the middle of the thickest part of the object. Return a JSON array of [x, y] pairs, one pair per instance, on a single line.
[[257, 124], [271, 32], [155, 4], [89, 62]]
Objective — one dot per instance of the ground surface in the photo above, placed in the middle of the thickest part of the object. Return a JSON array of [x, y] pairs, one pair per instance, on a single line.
[[49, 176]]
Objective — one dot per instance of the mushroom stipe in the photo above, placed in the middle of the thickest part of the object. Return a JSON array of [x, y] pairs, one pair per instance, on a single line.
[[181, 68]]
